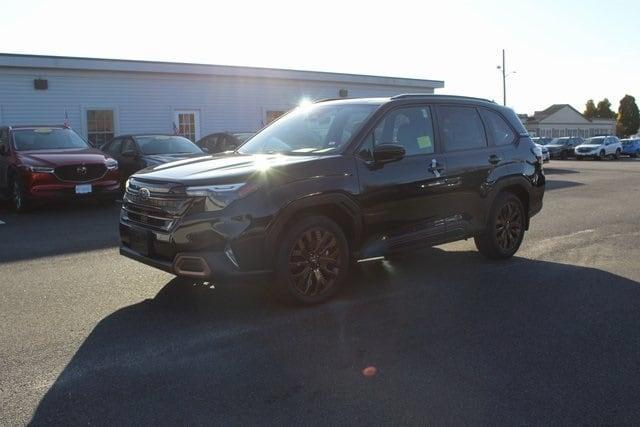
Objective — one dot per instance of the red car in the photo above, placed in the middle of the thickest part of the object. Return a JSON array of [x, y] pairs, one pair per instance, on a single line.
[[40, 163]]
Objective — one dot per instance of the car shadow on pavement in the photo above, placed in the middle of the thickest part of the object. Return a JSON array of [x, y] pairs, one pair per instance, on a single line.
[[557, 184], [58, 229], [559, 171], [447, 338]]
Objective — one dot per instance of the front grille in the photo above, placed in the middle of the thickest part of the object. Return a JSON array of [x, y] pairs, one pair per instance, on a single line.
[[584, 150], [155, 206], [80, 173]]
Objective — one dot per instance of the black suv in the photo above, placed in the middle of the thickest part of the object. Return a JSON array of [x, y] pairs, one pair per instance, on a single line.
[[338, 181]]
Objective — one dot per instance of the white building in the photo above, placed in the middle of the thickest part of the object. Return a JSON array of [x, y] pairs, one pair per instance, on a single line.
[[104, 97], [564, 120]]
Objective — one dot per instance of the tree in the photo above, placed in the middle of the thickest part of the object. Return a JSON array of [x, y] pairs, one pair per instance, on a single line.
[[590, 109], [604, 111], [628, 117]]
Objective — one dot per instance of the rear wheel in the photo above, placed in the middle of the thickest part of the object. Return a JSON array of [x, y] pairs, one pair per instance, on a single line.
[[505, 228], [617, 155], [313, 261]]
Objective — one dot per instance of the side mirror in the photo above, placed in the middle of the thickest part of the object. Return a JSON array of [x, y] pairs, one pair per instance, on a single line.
[[385, 153], [130, 154]]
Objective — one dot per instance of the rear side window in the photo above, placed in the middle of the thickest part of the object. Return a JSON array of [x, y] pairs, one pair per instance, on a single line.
[[499, 132], [410, 127], [461, 128]]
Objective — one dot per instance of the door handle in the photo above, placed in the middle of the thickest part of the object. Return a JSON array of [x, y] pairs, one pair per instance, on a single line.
[[494, 159], [435, 169]]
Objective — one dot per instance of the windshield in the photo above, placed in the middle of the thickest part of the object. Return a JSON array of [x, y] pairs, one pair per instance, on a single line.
[[542, 141], [47, 139], [242, 137], [594, 141], [628, 141], [559, 141], [161, 144], [317, 129]]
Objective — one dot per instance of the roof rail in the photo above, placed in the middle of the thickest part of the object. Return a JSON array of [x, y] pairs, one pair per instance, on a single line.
[[427, 95], [328, 99]]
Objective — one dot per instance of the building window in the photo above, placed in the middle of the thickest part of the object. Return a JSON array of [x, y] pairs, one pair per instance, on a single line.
[[100, 126], [187, 124], [273, 115]]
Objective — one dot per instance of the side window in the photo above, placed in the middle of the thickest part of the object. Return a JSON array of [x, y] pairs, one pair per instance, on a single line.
[[113, 148], [410, 127], [461, 128], [129, 145], [499, 132]]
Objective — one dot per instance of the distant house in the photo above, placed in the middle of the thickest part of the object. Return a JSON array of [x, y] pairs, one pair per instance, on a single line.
[[564, 120]]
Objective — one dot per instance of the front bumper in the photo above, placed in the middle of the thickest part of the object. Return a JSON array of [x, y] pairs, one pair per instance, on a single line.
[[158, 250], [42, 186]]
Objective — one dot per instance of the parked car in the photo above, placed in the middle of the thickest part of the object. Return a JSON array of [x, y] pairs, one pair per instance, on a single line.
[[631, 147], [562, 148], [339, 181], [223, 141], [545, 153], [42, 163], [599, 147], [135, 152], [541, 140]]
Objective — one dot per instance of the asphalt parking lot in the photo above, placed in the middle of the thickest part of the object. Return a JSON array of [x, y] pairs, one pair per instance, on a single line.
[[549, 337]]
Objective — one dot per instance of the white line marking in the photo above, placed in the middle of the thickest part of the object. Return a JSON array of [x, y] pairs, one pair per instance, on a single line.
[[2, 222]]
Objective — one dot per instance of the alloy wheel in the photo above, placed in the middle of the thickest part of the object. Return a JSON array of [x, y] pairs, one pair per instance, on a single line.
[[509, 226], [18, 201], [314, 262]]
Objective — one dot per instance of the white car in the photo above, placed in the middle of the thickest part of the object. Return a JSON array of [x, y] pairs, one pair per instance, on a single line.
[[599, 147], [545, 152]]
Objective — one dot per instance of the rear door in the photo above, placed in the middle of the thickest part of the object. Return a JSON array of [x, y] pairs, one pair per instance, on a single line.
[[129, 164], [470, 161]]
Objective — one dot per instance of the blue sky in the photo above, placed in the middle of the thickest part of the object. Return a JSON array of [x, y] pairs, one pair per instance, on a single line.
[[562, 51]]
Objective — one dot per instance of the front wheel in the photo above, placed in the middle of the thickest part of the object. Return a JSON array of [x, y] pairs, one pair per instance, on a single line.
[[18, 197], [617, 155], [505, 228], [312, 262], [603, 155]]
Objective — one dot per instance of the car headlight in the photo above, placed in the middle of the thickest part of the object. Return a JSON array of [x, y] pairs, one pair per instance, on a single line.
[[111, 164], [537, 151], [220, 196], [40, 169]]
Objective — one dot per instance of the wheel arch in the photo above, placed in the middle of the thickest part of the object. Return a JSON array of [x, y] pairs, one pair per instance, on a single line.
[[338, 207], [517, 185]]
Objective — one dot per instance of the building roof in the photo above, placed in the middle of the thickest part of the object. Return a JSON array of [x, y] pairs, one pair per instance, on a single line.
[[539, 116], [121, 65]]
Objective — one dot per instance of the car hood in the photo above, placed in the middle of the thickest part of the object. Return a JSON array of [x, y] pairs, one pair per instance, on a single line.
[[158, 159], [54, 158], [233, 168]]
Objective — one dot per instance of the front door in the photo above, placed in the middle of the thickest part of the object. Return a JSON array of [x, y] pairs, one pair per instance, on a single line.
[[130, 160], [400, 199], [187, 124]]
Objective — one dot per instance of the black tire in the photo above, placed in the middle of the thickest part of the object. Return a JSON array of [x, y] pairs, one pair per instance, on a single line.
[[563, 155], [634, 155], [505, 228], [617, 155], [312, 261], [18, 200], [602, 155], [578, 157]]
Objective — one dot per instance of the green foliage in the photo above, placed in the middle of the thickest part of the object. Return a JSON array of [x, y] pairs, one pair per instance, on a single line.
[[604, 111], [590, 109], [628, 117]]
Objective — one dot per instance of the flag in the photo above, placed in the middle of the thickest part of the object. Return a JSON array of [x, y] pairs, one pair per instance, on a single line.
[[67, 122]]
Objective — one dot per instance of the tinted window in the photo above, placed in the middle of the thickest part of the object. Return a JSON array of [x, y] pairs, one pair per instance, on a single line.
[[461, 128], [47, 139], [113, 148], [498, 130], [410, 127]]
